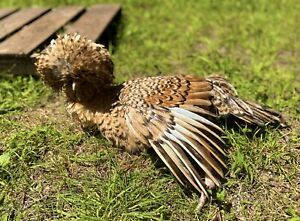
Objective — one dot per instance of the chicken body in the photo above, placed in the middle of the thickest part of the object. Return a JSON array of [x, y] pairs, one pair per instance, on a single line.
[[174, 115]]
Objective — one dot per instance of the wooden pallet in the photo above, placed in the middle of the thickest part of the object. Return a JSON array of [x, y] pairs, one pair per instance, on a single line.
[[27, 30]]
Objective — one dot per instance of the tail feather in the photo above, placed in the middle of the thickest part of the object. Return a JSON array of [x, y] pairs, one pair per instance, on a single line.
[[227, 102], [261, 115]]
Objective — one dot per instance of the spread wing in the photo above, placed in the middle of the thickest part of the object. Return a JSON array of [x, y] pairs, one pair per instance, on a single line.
[[173, 121], [174, 115]]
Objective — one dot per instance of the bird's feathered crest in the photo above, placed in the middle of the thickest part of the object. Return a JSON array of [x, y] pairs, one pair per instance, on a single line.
[[72, 57]]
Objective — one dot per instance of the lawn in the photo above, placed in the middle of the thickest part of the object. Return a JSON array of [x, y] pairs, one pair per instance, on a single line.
[[51, 170]]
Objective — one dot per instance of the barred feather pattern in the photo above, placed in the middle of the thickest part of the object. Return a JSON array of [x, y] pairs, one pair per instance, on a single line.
[[173, 115]]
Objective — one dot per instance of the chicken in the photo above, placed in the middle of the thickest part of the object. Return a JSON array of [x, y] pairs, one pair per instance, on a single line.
[[176, 116]]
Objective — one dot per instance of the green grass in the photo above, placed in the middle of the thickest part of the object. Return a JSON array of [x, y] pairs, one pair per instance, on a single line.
[[51, 170]]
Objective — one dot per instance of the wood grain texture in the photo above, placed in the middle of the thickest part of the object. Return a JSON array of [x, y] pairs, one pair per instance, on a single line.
[[6, 11], [18, 19], [94, 21], [31, 36]]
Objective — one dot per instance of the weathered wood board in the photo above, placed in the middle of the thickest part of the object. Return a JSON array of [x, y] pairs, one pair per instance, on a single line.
[[27, 30]]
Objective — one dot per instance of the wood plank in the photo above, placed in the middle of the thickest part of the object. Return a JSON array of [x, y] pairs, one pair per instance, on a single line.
[[30, 37], [15, 21], [6, 11], [94, 21]]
